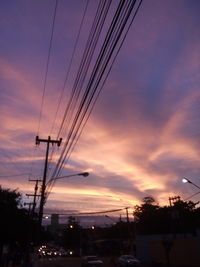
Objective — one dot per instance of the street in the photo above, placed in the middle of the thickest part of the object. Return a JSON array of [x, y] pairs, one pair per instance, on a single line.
[[59, 262], [68, 262]]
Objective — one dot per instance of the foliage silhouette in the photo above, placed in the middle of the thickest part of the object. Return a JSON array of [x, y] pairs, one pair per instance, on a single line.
[[181, 217]]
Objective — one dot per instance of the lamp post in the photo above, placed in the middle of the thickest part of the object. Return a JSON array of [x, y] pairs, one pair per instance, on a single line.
[[84, 174], [185, 180], [42, 202]]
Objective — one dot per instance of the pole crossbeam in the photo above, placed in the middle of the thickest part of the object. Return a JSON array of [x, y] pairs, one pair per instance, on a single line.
[[38, 140], [35, 194]]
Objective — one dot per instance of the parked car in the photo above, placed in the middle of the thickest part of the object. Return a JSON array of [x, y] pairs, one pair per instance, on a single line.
[[91, 261], [128, 260]]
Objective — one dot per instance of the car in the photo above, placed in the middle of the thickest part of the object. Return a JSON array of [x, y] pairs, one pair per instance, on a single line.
[[91, 261], [128, 260]]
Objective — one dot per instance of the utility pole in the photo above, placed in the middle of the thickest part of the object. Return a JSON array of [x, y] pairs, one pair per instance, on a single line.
[[29, 207], [172, 200], [34, 195], [127, 217], [42, 199], [130, 231]]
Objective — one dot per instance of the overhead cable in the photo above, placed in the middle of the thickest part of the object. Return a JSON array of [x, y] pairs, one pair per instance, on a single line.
[[112, 43], [47, 66]]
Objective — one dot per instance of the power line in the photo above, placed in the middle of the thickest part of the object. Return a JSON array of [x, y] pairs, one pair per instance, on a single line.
[[104, 81], [47, 66], [99, 20], [66, 77], [112, 44], [70, 65], [93, 38], [15, 175], [111, 40], [90, 213], [11, 159], [192, 196]]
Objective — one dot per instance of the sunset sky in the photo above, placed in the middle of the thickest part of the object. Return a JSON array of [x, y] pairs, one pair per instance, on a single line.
[[143, 134]]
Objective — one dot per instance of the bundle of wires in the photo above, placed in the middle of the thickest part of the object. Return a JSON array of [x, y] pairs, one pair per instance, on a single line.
[[87, 86]]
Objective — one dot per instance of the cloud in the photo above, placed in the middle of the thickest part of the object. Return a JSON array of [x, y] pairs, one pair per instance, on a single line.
[[143, 134]]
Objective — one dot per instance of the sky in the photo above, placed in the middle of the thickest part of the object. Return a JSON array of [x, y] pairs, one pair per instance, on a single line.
[[143, 134]]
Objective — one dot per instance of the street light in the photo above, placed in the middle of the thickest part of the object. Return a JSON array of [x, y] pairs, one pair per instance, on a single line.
[[43, 195], [84, 174], [185, 180]]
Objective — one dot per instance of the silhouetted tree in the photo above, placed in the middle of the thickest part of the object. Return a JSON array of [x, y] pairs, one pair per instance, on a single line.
[[146, 215], [71, 234], [184, 216], [181, 217], [13, 217], [15, 221]]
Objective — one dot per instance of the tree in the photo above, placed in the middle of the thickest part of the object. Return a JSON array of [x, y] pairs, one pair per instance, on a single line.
[[71, 234], [181, 217], [12, 216], [146, 215], [184, 216], [15, 221]]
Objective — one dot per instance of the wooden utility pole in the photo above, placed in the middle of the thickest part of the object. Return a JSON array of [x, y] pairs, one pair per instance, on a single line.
[[130, 231], [172, 200], [42, 199], [127, 217], [29, 206], [34, 195]]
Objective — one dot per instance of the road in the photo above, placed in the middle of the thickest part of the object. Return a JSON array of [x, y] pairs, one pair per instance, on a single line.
[[59, 262], [68, 262]]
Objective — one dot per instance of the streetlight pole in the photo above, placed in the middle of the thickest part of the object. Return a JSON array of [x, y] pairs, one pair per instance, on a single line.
[[185, 180], [84, 174]]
